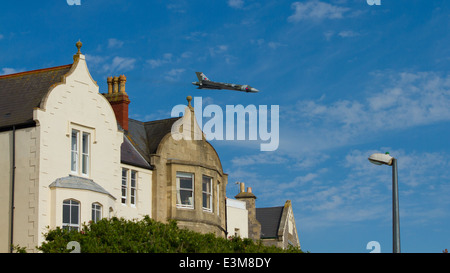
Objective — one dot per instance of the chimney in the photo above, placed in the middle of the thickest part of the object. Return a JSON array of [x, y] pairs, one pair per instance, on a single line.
[[254, 227], [118, 99]]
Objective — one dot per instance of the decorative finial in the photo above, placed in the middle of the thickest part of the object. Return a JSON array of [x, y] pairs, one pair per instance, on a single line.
[[79, 44], [189, 98]]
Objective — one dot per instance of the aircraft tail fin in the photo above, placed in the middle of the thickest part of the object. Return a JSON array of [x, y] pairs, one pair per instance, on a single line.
[[201, 76]]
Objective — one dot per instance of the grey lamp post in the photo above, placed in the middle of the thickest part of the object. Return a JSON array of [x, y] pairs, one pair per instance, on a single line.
[[386, 159]]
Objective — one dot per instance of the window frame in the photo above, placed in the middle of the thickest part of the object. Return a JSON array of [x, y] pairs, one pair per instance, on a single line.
[[74, 159], [85, 155], [209, 195], [96, 208], [179, 202], [124, 187], [72, 203], [133, 189], [80, 152]]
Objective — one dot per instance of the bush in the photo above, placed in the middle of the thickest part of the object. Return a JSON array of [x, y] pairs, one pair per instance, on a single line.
[[148, 236]]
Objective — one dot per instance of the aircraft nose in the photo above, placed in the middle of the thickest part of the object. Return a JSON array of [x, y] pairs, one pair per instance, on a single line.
[[254, 90]]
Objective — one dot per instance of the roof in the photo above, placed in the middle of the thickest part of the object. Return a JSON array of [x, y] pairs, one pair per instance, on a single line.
[[21, 92], [269, 218], [146, 136], [81, 183], [129, 155]]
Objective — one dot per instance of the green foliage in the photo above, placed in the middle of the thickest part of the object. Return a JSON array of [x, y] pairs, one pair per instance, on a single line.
[[148, 236]]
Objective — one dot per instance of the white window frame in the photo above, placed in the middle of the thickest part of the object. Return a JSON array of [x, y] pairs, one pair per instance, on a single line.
[[209, 195], [85, 153], [124, 187], [74, 151], [71, 203], [80, 152], [133, 188], [96, 212], [180, 203]]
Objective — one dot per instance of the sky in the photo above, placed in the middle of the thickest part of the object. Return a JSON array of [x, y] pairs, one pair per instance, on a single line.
[[350, 79]]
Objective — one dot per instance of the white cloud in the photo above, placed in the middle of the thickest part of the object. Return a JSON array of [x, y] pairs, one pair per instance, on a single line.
[[9, 70], [169, 58], [114, 43], [1, 36], [119, 64], [237, 4], [217, 50], [94, 59], [174, 74], [316, 10], [348, 33]]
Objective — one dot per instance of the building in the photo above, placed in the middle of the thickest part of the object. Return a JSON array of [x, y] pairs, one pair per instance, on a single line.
[[70, 154], [273, 225]]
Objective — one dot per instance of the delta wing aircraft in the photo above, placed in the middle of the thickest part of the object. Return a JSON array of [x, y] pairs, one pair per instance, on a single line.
[[205, 83]]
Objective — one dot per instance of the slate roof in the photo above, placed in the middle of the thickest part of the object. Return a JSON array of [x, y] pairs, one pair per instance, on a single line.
[[146, 136], [81, 183], [269, 218], [129, 155], [21, 92]]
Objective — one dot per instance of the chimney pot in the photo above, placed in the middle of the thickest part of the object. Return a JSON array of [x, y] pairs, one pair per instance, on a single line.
[[109, 80], [242, 187], [249, 189], [116, 85], [122, 81]]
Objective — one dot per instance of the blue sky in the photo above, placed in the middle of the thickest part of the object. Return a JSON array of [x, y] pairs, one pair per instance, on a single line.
[[350, 79]]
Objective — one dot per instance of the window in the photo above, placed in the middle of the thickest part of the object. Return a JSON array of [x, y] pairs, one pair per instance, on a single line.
[[133, 188], [217, 198], [207, 193], [85, 154], [71, 215], [124, 185], [74, 151], [185, 190], [75, 145], [96, 212], [129, 187]]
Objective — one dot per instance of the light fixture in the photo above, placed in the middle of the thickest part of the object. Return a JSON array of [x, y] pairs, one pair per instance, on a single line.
[[380, 159], [386, 159]]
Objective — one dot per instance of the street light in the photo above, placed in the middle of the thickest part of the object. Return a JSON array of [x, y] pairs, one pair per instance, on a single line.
[[386, 159]]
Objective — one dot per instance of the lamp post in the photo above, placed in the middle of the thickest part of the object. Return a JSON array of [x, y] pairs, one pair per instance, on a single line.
[[386, 159]]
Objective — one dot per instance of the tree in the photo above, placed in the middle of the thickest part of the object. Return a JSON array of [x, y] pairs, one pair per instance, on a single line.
[[148, 236]]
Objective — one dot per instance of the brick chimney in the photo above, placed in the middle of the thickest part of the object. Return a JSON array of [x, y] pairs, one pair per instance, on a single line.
[[254, 227], [118, 99]]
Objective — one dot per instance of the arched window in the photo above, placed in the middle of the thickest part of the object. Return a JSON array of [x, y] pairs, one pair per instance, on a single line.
[[96, 212], [71, 215]]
